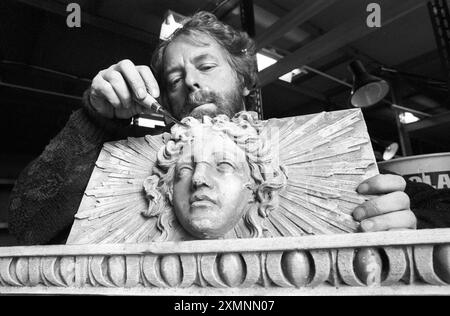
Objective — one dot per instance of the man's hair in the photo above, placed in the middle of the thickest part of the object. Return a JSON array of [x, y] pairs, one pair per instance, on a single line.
[[244, 130], [239, 46]]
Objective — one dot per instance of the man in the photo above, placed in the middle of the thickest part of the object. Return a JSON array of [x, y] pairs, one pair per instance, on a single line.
[[206, 68]]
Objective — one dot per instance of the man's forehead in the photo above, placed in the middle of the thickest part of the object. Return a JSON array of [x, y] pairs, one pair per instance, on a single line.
[[192, 47], [198, 39]]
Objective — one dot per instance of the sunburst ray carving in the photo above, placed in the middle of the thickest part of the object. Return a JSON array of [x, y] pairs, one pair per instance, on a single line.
[[325, 157]]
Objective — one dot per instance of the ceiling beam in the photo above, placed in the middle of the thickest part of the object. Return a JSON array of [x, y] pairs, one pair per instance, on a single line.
[[338, 37], [283, 110], [323, 68], [96, 21], [223, 8], [440, 119], [419, 61], [299, 15], [311, 93], [405, 66]]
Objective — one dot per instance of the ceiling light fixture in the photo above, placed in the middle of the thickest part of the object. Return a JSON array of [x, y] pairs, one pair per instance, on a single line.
[[172, 22], [389, 148], [265, 59], [367, 89], [407, 117]]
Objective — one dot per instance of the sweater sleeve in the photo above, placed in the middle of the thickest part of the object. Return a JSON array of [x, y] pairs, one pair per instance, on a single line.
[[49, 190], [431, 206]]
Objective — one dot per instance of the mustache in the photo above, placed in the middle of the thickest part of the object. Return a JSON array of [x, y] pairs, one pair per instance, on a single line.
[[200, 97]]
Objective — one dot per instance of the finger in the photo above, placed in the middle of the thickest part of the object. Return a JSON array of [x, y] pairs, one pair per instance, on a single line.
[[142, 109], [102, 106], [387, 203], [102, 89], [147, 103], [149, 80], [120, 87], [132, 78], [135, 109], [124, 113], [382, 183], [390, 221], [138, 109]]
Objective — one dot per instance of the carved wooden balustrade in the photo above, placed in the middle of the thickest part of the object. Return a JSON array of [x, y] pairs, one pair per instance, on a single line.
[[391, 263]]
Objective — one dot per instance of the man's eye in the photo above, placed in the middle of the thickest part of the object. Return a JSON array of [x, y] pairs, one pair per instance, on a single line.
[[174, 83], [225, 166], [206, 67]]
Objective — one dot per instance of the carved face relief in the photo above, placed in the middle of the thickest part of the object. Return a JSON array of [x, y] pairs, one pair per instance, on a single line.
[[211, 185], [229, 178]]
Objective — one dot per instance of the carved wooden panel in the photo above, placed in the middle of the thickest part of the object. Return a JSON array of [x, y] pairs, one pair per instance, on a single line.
[[410, 262], [323, 156]]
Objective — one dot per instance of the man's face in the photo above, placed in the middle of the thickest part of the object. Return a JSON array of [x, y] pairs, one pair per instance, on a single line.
[[199, 79], [210, 191]]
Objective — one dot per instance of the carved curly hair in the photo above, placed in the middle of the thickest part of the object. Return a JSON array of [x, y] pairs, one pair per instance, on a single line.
[[244, 129], [240, 48]]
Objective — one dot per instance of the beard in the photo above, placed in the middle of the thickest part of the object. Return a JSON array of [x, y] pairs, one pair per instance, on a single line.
[[205, 102]]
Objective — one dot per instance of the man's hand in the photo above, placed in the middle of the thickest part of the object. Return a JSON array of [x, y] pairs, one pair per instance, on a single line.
[[118, 92], [390, 210]]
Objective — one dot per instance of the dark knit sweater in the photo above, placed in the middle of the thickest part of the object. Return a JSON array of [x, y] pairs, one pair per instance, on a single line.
[[49, 190], [431, 206]]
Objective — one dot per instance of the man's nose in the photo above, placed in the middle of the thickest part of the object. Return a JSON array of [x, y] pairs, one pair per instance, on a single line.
[[192, 80], [201, 176]]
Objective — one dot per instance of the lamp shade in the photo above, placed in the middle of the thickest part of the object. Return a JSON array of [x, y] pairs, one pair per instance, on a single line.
[[367, 89], [388, 148], [390, 151]]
